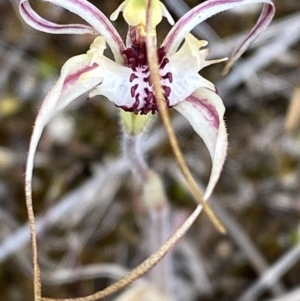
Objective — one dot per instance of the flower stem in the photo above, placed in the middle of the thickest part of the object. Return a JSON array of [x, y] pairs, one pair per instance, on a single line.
[[32, 228], [135, 158]]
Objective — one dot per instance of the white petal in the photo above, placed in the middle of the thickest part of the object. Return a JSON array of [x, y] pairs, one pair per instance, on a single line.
[[68, 87], [184, 66], [204, 110], [185, 81], [115, 85], [39, 23], [210, 8], [86, 11]]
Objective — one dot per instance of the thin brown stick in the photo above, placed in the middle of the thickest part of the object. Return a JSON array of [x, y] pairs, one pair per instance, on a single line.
[[32, 228], [163, 111]]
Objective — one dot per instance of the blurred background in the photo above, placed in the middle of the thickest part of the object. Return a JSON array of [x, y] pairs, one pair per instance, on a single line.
[[92, 224]]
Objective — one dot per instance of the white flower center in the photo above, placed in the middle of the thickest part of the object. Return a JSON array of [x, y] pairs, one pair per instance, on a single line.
[[141, 87]]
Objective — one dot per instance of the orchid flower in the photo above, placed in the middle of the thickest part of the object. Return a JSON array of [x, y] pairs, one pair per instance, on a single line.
[[126, 81]]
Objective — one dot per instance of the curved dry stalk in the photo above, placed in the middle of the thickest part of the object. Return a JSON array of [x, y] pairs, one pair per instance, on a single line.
[[144, 267], [32, 227], [163, 111]]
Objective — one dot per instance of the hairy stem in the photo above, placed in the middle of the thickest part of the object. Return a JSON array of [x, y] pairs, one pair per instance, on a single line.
[[132, 152], [32, 228]]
